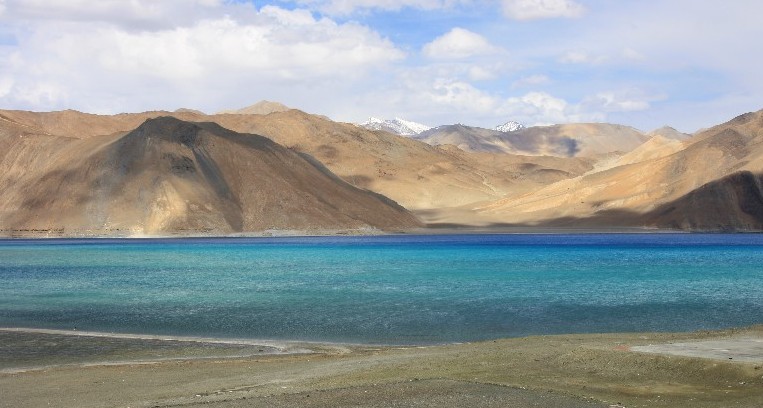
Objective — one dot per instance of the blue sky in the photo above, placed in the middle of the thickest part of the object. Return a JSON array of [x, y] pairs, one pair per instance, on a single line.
[[642, 63]]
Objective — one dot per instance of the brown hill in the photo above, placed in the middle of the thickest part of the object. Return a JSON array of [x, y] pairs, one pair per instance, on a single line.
[[570, 140], [171, 176], [442, 184], [654, 148], [669, 133], [416, 175], [732, 203], [71, 123], [638, 192], [259, 108]]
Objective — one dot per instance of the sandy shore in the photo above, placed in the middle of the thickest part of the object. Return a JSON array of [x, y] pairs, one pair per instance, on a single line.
[[48, 368]]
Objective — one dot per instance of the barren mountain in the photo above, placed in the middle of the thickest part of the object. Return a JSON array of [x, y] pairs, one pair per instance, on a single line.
[[172, 176], [467, 138], [571, 140], [732, 203], [259, 108], [654, 148], [669, 133], [71, 123], [713, 180], [619, 177], [416, 175]]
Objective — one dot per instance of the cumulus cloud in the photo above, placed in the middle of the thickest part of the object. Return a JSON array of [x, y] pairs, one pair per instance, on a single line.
[[459, 43], [482, 73], [139, 14], [538, 9], [345, 7], [540, 108], [531, 80], [612, 103], [582, 57], [461, 95], [430, 98], [6, 83], [90, 62], [630, 100], [633, 55], [613, 56]]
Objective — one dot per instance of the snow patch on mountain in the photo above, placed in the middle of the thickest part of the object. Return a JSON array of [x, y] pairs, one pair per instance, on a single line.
[[510, 126], [398, 126]]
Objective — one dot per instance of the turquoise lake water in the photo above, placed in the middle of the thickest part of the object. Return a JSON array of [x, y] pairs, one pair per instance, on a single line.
[[388, 289]]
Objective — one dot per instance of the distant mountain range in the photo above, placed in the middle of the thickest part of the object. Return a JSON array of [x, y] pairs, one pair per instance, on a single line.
[[710, 182], [404, 127], [397, 126], [570, 140], [69, 173]]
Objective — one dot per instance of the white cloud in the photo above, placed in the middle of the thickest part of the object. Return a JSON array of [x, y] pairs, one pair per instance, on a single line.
[[630, 100], [531, 80], [481, 73], [346, 7], [6, 84], [612, 103], [614, 56], [538, 9], [101, 65], [429, 98], [40, 93], [138, 14], [582, 57], [461, 95], [540, 108], [633, 55], [459, 43]]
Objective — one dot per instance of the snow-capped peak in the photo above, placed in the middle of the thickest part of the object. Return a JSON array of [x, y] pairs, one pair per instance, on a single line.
[[415, 127], [398, 126], [510, 126]]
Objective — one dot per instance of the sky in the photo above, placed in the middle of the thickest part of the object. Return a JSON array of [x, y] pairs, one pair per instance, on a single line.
[[643, 63]]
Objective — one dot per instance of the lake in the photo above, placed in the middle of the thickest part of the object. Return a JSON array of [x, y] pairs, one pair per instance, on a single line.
[[385, 289]]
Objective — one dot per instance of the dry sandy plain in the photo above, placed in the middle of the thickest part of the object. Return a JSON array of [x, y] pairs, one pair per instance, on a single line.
[[703, 369]]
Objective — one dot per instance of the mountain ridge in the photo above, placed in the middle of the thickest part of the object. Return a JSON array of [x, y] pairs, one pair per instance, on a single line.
[[171, 176], [572, 175], [568, 140], [396, 126], [263, 107]]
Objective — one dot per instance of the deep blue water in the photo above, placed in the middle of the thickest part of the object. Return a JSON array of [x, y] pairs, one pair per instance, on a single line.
[[388, 289]]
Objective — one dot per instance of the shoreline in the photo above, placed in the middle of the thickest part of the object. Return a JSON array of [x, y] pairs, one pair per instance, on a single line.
[[432, 230], [279, 344], [573, 370]]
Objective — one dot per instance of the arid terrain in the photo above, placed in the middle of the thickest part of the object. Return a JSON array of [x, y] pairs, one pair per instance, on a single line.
[[174, 176], [706, 369], [185, 172]]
